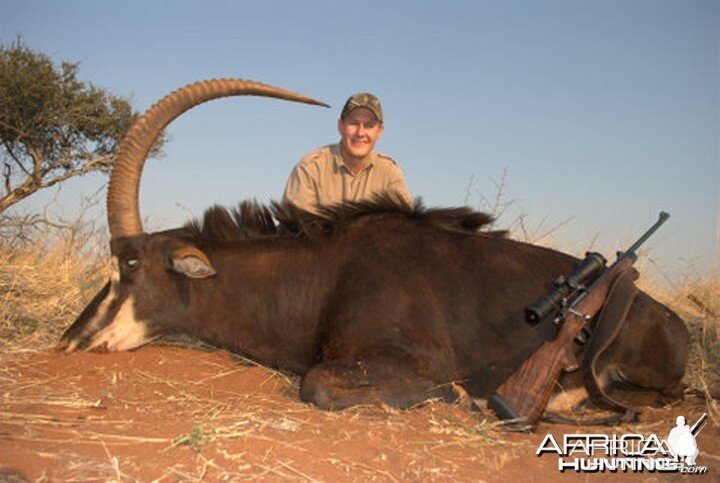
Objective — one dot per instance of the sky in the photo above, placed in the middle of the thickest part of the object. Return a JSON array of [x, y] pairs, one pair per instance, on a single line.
[[587, 117]]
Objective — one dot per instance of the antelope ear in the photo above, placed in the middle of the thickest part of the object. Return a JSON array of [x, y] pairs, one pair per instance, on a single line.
[[192, 263]]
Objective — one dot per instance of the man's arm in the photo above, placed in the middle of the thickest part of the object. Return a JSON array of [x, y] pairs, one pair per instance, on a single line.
[[301, 190], [393, 178], [397, 185]]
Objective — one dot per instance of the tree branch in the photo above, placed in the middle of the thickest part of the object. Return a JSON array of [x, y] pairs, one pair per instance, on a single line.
[[91, 165], [30, 186], [37, 158], [14, 157], [32, 221], [7, 172]]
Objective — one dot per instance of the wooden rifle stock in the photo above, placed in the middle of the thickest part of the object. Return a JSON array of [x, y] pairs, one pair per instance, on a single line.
[[525, 394]]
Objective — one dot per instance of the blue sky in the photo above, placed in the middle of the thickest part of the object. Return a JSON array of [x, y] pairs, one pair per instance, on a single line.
[[601, 113]]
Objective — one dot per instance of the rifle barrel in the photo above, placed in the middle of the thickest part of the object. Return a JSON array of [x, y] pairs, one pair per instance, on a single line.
[[630, 252], [664, 215]]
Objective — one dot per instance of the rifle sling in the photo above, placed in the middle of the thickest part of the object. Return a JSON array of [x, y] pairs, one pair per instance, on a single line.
[[607, 327]]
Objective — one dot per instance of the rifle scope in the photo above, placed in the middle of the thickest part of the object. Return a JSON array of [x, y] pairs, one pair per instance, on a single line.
[[587, 270]]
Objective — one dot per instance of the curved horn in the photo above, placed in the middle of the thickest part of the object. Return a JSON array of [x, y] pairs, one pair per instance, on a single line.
[[123, 209]]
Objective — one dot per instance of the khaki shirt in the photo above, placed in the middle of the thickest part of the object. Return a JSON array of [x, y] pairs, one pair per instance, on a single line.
[[321, 178]]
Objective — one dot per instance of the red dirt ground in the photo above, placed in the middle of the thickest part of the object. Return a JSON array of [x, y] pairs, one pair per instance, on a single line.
[[171, 413]]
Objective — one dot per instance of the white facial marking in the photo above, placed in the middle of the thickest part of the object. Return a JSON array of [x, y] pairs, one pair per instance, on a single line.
[[102, 309], [71, 346], [125, 332], [114, 271]]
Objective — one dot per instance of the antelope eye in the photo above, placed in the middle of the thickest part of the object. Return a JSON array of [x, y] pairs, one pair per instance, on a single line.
[[132, 263]]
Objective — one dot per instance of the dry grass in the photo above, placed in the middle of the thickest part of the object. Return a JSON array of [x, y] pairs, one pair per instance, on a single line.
[[699, 305], [43, 286]]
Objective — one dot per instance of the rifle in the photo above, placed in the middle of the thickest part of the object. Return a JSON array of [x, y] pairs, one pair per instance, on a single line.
[[525, 394]]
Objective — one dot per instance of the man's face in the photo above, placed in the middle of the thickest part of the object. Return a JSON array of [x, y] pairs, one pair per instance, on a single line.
[[359, 132]]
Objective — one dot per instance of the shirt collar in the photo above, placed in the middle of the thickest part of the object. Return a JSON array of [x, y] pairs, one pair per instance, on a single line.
[[340, 164]]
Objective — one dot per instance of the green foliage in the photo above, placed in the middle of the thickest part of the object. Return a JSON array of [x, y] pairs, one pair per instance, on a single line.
[[197, 440], [52, 125]]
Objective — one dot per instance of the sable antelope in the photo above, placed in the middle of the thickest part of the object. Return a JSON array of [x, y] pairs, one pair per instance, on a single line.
[[368, 302]]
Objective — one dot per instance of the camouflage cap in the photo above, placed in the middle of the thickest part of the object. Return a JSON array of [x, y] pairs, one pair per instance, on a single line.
[[366, 100]]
